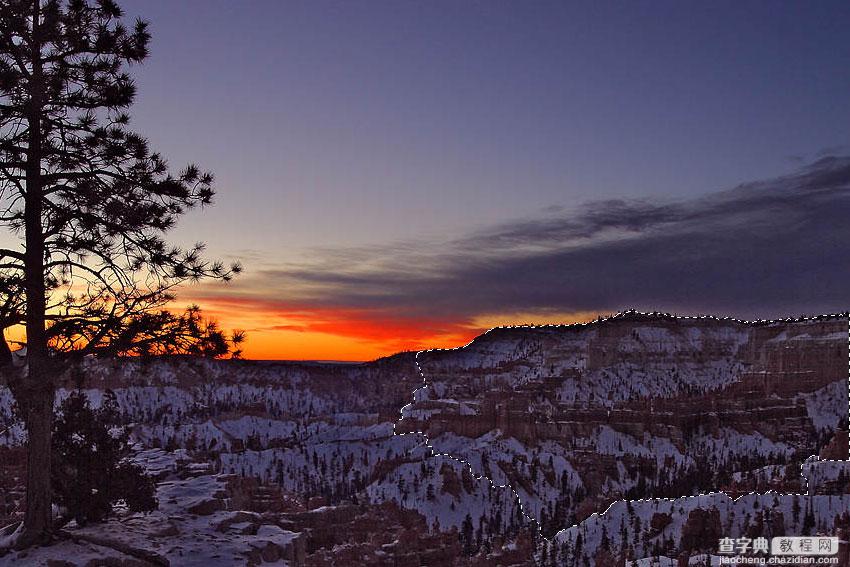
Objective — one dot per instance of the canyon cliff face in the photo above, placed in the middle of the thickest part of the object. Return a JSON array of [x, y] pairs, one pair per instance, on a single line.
[[316, 448], [464, 456], [636, 406]]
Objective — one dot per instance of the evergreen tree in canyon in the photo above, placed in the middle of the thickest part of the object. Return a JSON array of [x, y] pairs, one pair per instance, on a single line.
[[87, 205]]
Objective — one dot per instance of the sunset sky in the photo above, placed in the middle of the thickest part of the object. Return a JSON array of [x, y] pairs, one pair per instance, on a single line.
[[404, 175]]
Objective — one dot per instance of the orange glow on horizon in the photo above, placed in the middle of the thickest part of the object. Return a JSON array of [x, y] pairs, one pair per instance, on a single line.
[[284, 331], [287, 331]]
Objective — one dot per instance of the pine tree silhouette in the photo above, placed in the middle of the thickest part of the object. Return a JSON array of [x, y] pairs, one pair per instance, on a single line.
[[91, 462], [91, 204]]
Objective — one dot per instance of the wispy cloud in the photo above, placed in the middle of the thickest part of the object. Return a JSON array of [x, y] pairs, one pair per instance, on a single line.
[[766, 248]]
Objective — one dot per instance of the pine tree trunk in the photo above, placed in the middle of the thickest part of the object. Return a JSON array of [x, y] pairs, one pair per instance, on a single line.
[[5, 352], [38, 390], [38, 516]]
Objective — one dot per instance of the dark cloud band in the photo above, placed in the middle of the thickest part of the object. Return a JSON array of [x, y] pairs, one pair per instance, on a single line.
[[768, 248]]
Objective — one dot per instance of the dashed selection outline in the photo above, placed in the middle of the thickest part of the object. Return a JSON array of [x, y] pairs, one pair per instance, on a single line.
[[630, 312]]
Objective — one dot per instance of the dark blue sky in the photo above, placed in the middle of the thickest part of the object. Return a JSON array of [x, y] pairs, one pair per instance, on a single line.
[[339, 122], [368, 135]]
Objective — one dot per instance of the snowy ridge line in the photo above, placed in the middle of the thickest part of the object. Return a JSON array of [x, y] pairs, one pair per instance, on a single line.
[[658, 315], [810, 459], [435, 453], [619, 315]]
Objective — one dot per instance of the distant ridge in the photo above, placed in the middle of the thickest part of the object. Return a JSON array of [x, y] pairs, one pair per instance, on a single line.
[[635, 315]]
